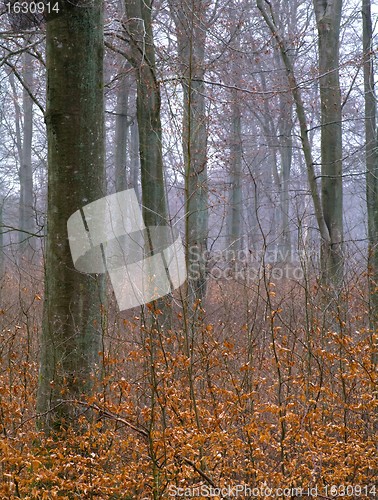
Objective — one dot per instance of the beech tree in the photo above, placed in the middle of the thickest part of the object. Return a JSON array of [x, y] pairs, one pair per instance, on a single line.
[[190, 22], [371, 156], [74, 120], [141, 54], [24, 134], [327, 201], [328, 18]]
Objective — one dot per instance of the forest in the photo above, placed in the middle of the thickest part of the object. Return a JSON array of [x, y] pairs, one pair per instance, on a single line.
[[188, 249]]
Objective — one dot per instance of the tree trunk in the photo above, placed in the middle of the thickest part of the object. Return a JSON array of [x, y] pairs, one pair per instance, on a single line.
[[122, 123], [328, 17], [236, 197], [371, 155], [191, 35], [2, 253], [26, 217], [142, 57], [286, 151], [24, 135], [235, 218], [75, 131], [324, 230], [134, 158]]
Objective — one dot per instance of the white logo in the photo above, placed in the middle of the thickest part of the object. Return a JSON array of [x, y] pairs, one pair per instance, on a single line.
[[109, 235]]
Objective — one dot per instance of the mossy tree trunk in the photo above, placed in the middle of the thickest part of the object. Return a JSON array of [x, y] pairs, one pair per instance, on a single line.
[[74, 119]]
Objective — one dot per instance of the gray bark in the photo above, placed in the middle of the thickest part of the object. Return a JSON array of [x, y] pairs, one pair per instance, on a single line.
[[26, 217], [122, 123], [75, 129], [24, 135], [304, 133], [371, 154], [191, 35], [142, 57], [236, 194], [134, 158], [328, 17], [285, 127], [2, 253]]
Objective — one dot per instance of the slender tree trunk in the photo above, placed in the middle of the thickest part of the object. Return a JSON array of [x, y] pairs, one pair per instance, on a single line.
[[2, 254], [286, 152], [190, 25], [75, 130], [371, 154], [24, 135], [26, 217], [332, 273], [236, 196], [134, 158], [142, 57], [122, 123], [328, 16], [236, 154]]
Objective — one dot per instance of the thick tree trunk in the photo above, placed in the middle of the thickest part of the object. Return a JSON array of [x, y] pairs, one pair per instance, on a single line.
[[328, 17], [72, 309]]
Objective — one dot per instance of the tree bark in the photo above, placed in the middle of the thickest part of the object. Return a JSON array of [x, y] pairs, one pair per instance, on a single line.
[[134, 158], [236, 154], [142, 57], [332, 272], [122, 123], [328, 17], [75, 131], [236, 196], [24, 136], [285, 127], [371, 158], [26, 216], [191, 36]]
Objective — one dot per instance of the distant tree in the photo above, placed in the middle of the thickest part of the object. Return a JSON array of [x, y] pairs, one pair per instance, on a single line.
[[328, 202], [122, 129], [235, 216], [74, 120], [24, 135]]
